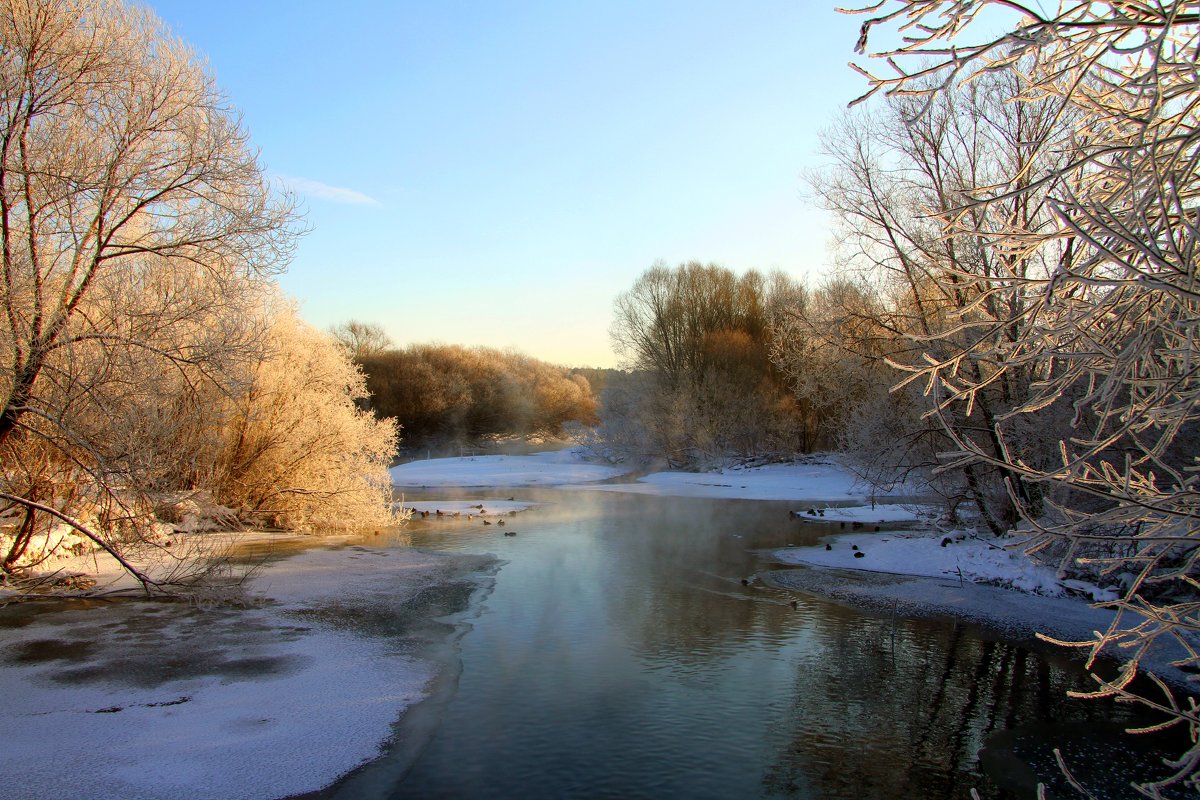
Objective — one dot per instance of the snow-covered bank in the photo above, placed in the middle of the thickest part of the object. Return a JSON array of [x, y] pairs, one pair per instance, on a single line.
[[990, 583], [816, 480], [1016, 614], [166, 700], [819, 480], [999, 562], [968, 577], [553, 468]]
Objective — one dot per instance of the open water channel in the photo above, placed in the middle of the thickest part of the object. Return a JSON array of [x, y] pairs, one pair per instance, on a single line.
[[616, 653]]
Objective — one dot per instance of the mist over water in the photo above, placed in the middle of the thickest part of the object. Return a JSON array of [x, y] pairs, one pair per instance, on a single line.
[[618, 654]]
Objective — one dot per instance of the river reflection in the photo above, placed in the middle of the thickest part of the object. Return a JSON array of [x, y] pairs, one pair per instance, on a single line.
[[620, 655]]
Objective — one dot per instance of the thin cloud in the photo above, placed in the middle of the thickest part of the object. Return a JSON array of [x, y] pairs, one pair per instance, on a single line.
[[323, 191]]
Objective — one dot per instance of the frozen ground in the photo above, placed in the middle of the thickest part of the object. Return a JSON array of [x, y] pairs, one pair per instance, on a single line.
[[553, 468], [157, 700], [971, 578], [168, 700], [1016, 614]]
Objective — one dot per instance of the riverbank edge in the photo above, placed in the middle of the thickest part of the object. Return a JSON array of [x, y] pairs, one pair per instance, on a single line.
[[416, 724], [435, 590], [1012, 614]]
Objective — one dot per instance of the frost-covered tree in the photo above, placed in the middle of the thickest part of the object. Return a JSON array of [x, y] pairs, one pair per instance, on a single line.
[[143, 355], [833, 347], [121, 167], [1110, 331], [362, 339], [907, 291], [297, 449], [699, 338], [451, 393]]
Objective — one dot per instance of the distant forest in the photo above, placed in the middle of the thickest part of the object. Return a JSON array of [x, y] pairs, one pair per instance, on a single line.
[[445, 395]]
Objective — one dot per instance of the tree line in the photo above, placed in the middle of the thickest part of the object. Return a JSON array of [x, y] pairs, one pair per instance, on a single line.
[[1063, 377], [452, 394], [701, 386]]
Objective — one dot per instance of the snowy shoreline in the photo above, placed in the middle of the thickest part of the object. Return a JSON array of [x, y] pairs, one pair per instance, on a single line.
[[287, 696]]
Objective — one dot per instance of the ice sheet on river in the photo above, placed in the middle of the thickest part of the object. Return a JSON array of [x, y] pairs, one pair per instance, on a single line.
[[158, 700]]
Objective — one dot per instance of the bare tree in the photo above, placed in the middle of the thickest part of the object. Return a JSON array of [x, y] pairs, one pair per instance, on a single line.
[[136, 231], [903, 293], [701, 336], [1112, 330], [450, 393], [362, 339]]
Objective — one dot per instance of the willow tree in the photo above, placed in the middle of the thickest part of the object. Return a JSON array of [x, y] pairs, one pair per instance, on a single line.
[[1112, 330], [137, 231]]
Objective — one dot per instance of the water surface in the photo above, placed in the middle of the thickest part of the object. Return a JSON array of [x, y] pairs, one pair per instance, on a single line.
[[620, 654]]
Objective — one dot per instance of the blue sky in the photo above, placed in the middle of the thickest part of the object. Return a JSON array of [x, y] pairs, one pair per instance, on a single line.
[[497, 172]]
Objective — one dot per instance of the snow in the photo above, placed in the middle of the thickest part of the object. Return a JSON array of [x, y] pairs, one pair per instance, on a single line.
[[552, 468], [1016, 614], [815, 480], [288, 695], [970, 578], [156, 700], [880, 513], [244, 738], [820, 480], [999, 562]]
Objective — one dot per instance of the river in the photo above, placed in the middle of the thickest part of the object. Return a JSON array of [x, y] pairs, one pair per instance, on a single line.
[[625, 648]]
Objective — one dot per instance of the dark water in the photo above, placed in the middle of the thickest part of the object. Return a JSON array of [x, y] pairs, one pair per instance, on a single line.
[[618, 654]]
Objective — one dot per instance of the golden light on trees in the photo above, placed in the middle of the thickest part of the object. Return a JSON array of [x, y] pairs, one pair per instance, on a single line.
[[139, 325]]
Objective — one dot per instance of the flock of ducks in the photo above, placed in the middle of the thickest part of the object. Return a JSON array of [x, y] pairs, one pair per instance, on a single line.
[[479, 511]]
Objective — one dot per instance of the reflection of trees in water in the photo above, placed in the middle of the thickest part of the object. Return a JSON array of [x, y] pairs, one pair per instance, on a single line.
[[867, 718], [871, 720], [687, 561]]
